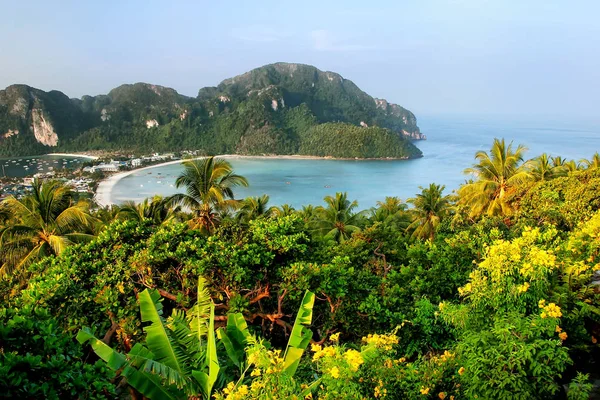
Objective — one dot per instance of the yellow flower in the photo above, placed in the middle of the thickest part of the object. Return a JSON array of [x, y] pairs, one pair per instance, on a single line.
[[315, 347], [558, 329], [523, 288], [242, 390], [335, 337], [542, 303], [354, 359], [442, 395], [424, 390], [563, 336], [381, 341], [594, 340], [461, 370], [255, 372], [552, 311], [334, 372]]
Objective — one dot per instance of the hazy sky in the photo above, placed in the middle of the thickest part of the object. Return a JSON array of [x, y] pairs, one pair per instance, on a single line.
[[433, 57]]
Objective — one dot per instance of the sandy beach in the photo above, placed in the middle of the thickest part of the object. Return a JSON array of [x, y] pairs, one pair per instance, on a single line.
[[73, 155]]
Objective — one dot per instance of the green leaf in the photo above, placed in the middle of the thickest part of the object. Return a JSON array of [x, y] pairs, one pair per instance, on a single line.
[[157, 339], [234, 338], [300, 336]]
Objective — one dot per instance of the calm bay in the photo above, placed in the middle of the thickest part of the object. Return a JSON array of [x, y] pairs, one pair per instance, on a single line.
[[450, 148]]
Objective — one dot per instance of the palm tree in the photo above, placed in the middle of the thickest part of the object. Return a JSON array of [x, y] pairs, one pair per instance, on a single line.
[[156, 209], [593, 163], [337, 221], [572, 166], [543, 169], [497, 174], [47, 222], [391, 211], [283, 211], [430, 207], [209, 184], [254, 207]]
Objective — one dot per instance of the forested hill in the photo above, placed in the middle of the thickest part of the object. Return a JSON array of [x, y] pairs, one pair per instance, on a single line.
[[275, 109]]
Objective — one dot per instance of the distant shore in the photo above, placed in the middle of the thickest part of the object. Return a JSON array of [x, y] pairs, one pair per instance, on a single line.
[[105, 187]]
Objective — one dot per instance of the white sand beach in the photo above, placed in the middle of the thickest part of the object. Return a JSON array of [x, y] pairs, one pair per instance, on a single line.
[[73, 155]]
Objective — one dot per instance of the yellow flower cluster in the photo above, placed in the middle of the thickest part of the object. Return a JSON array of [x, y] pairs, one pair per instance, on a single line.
[[461, 370], [384, 342], [334, 372], [424, 390], [523, 288], [380, 391], [354, 359], [235, 394], [563, 336], [465, 289], [335, 337], [551, 310], [320, 352]]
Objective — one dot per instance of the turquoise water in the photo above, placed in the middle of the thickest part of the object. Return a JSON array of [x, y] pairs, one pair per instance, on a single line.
[[25, 166], [451, 145]]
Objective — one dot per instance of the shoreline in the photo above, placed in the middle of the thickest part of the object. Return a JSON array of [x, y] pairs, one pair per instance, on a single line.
[[72, 155], [104, 190]]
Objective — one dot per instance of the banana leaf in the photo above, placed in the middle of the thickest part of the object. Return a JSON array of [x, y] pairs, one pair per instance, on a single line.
[[207, 381], [158, 340], [147, 384], [234, 338], [300, 336]]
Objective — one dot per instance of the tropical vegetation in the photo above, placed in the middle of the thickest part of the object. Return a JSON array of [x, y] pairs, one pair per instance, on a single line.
[[436, 297]]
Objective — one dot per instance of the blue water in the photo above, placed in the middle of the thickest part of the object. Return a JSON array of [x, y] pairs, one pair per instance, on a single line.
[[451, 145]]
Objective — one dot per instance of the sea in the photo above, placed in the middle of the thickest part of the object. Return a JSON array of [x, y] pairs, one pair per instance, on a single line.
[[450, 148]]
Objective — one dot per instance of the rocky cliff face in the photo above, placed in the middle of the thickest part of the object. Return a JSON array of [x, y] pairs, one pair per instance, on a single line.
[[26, 110]]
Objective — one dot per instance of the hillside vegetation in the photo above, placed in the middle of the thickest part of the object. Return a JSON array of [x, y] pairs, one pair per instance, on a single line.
[[265, 111], [492, 293]]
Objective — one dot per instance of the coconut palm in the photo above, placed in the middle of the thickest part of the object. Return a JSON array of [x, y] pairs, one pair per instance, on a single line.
[[156, 209], [496, 176], [337, 221], [284, 210], [254, 207], [543, 169], [391, 211], [572, 166], [430, 207], [209, 184], [47, 221], [593, 163]]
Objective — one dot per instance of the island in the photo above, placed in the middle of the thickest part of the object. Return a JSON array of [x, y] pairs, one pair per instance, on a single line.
[[277, 109]]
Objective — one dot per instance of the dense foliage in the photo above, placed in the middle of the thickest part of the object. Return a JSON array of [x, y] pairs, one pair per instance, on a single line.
[[429, 300], [275, 109]]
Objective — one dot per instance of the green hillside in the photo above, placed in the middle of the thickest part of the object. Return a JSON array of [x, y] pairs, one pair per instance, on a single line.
[[268, 110]]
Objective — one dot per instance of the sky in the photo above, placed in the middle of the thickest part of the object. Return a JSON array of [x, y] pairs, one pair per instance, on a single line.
[[473, 57]]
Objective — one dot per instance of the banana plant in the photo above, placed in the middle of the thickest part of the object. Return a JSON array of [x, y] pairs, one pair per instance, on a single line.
[[300, 336], [179, 358]]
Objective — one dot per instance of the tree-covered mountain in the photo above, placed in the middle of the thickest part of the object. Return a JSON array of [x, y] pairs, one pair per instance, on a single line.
[[276, 109]]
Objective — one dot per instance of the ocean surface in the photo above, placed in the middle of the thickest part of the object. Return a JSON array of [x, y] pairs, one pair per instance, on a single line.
[[23, 166], [449, 149]]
